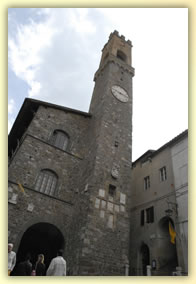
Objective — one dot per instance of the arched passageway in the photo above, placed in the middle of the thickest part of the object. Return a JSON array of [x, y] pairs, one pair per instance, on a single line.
[[167, 250], [42, 238]]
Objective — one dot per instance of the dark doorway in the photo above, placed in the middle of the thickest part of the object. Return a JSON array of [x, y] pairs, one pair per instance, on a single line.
[[145, 257], [42, 238], [167, 250]]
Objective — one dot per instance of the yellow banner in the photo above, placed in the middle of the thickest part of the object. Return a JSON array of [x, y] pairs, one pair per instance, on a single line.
[[21, 188], [172, 233]]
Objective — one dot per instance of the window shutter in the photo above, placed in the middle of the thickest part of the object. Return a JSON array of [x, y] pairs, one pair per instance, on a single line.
[[142, 218]]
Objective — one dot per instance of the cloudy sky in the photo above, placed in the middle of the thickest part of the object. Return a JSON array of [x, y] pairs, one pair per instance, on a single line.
[[49, 50]]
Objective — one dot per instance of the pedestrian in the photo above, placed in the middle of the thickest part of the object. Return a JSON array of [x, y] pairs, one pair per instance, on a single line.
[[40, 266], [11, 258], [57, 265], [25, 267]]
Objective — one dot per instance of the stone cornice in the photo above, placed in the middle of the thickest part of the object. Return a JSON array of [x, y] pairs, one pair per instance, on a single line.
[[39, 192], [113, 59]]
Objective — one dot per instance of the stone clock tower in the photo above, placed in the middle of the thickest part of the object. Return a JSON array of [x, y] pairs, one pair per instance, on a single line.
[[70, 174], [106, 235], [70, 186]]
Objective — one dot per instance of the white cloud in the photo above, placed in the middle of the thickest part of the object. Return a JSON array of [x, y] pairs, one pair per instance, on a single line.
[[58, 55], [35, 89], [11, 106], [43, 54], [11, 110], [160, 59], [79, 21], [25, 51], [10, 123]]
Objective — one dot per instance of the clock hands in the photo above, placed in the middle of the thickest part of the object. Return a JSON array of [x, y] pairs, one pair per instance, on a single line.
[[120, 93]]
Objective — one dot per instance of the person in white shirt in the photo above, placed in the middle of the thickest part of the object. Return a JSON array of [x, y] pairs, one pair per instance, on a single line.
[[57, 265], [11, 258]]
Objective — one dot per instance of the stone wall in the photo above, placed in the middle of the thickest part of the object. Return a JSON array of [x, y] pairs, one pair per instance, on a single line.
[[161, 196], [179, 154], [106, 235], [95, 221], [35, 153]]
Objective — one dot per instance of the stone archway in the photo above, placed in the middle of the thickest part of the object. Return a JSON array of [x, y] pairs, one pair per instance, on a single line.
[[166, 249], [39, 238]]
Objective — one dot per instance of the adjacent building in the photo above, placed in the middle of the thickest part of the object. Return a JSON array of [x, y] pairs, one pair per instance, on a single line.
[[159, 201], [179, 153]]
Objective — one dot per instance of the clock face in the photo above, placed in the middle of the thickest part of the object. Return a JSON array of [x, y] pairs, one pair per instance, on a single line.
[[120, 94]]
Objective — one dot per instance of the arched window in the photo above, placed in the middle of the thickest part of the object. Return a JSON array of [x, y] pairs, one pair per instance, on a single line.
[[46, 182], [121, 55], [60, 139]]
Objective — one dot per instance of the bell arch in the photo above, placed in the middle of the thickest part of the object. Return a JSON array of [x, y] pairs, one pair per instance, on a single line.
[[121, 55]]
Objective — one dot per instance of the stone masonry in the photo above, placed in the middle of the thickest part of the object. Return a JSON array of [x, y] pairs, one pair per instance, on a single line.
[[107, 213], [91, 206]]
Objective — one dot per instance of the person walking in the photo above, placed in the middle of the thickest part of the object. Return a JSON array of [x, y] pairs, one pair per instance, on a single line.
[[40, 266], [25, 267], [57, 265], [11, 258]]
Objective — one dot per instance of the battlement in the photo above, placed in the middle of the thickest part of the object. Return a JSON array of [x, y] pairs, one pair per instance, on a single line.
[[115, 33], [122, 37], [119, 47]]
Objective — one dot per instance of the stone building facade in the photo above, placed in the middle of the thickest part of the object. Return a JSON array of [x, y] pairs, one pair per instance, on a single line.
[[70, 173], [72, 184], [179, 153], [159, 197]]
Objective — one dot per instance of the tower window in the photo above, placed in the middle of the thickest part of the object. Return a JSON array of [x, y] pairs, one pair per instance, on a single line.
[[46, 182], [146, 182], [121, 55], [60, 139], [163, 174], [112, 190], [116, 143]]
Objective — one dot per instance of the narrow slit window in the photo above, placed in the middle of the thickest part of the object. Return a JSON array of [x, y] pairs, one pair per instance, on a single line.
[[146, 182], [112, 190], [142, 218], [163, 174]]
